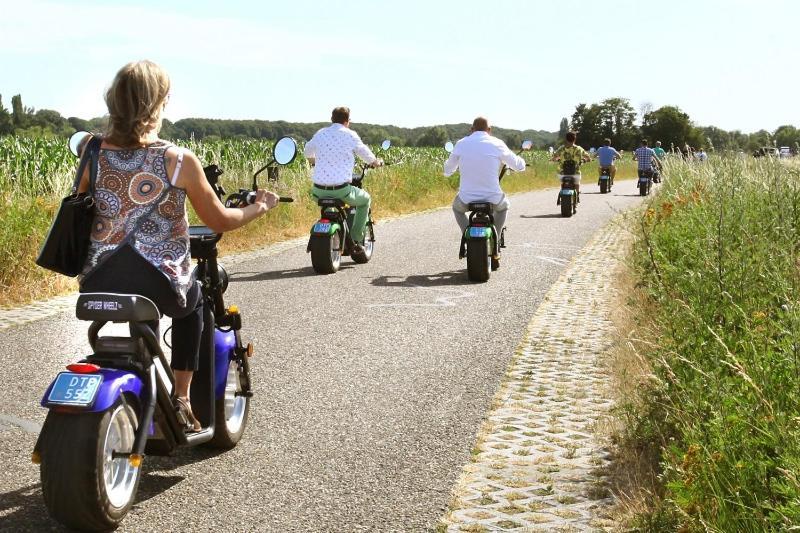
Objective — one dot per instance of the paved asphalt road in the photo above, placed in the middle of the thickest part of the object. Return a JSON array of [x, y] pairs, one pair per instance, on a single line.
[[371, 383]]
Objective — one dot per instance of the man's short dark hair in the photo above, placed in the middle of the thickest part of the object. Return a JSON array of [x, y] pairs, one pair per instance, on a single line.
[[340, 115], [571, 136], [480, 124], [607, 142], [644, 142]]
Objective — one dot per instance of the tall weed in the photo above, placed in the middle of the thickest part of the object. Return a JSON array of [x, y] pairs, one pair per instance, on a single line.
[[720, 258]]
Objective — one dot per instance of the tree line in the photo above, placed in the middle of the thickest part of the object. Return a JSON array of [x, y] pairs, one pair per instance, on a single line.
[[612, 118], [615, 119]]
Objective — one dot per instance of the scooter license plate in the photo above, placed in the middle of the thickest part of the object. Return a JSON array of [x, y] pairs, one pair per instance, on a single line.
[[75, 389], [567, 192], [478, 232], [322, 227], [604, 176]]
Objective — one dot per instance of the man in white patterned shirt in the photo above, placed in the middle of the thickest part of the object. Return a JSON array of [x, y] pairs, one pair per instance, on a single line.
[[332, 151]]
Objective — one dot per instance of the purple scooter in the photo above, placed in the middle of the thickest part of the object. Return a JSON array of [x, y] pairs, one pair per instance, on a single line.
[[116, 405]]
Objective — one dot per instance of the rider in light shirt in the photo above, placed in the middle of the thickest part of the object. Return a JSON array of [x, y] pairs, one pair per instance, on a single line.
[[479, 157]]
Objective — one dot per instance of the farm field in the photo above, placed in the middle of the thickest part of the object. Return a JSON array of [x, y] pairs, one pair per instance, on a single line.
[[36, 172]]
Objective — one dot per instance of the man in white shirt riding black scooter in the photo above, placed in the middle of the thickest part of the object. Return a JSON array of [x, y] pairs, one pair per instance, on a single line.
[[479, 157]]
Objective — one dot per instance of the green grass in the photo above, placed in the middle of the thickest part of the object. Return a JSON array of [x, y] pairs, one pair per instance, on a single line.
[[719, 259]]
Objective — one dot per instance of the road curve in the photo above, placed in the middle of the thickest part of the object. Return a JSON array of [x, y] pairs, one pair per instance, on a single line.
[[370, 384]]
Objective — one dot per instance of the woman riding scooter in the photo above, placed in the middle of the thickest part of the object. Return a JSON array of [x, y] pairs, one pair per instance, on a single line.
[[140, 239]]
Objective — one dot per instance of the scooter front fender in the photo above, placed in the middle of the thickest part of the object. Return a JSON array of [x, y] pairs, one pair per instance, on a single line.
[[115, 383]]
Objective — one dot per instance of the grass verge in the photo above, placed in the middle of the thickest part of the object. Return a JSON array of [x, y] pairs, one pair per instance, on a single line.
[[709, 369]]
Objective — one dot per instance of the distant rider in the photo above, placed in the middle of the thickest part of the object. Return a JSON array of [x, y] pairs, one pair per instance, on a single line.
[[571, 156], [660, 152], [479, 157], [332, 151], [606, 155], [647, 160]]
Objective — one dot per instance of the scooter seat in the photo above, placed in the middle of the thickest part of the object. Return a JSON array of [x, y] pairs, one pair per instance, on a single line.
[[111, 307], [330, 202]]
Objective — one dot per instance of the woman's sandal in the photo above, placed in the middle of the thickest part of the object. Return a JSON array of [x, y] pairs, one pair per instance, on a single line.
[[186, 416]]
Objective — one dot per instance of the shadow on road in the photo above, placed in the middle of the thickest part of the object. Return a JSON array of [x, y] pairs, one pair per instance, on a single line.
[[453, 277], [549, 215], [304, 272], [23, 510]]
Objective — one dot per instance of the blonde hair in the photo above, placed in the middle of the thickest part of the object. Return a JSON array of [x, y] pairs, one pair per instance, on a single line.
[[135, 100]]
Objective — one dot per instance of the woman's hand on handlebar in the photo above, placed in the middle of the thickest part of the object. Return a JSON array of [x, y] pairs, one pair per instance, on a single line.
[[266, 199], [377, 163]]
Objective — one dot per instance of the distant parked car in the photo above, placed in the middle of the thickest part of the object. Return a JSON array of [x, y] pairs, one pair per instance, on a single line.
[[766, 150], [785, 151]]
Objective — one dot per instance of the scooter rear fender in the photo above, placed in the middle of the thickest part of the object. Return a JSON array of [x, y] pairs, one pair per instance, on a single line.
[[115, 383]]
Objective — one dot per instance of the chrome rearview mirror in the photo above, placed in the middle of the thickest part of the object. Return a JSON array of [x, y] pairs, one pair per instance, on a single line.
[[285, 151], [76, 140], [527, 144], [448, 146], [386, 144]]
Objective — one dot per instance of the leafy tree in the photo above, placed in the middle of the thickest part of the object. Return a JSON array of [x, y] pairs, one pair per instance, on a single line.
[[563, 128], [17, 111], [6, 123], [513, 140], [612, 118], [671, 126], [787, 136], [759, 139], [435, 136]]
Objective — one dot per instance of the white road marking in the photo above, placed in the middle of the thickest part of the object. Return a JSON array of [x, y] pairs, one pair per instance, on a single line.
[[555, 260], [441, 301], [25, 425]]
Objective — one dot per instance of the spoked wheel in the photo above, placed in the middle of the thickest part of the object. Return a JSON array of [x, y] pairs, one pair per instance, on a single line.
[[368, 246], [326, 253], [566, 205], [478, 259], [232, 410], [88, 482]]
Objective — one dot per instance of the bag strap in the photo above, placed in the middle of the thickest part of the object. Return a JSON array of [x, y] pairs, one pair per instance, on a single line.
[[90, 153]]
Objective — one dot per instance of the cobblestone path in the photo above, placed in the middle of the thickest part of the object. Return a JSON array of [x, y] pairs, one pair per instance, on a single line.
[[537, 465]]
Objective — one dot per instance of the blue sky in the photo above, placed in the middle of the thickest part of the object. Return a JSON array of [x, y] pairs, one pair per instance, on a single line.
[[523, 64]]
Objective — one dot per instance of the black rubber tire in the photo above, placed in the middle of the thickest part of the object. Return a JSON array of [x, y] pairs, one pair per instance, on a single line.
[[224, 438], [478, 255], [603, 186], [566, 205], [322, 254], [369, 246], [643, 189], [72, 473]]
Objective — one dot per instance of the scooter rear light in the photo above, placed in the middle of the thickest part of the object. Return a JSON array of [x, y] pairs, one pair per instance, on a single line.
[[324, 220], [83, 368]]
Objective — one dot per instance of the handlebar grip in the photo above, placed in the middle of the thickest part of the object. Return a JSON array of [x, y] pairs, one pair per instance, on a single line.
[[251, 198]]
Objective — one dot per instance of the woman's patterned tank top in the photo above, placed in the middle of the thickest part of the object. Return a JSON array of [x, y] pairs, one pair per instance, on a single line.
[[135, 203]]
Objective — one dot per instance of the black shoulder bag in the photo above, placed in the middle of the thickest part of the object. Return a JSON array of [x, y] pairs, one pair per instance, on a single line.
[[67, 243]]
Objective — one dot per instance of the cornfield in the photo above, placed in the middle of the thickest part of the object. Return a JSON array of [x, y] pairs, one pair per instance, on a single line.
[[35, 173]]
